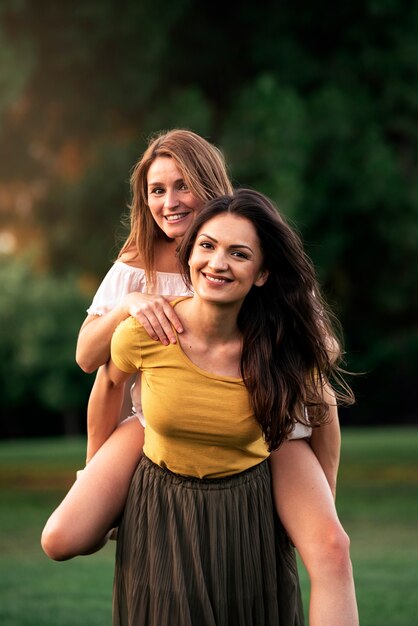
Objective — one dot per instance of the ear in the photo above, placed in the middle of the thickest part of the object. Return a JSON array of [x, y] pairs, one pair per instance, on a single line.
[[261, 278]]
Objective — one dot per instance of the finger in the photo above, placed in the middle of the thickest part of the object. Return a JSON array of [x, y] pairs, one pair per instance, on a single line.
[[149, 327], [167, 328], [173, 319], [161, 323], [158, 327], [162, 319]]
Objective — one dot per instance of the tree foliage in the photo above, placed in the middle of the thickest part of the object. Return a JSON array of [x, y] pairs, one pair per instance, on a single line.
[[39, 320], [315, 105]]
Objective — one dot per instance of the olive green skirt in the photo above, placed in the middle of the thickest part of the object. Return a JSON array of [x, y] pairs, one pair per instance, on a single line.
[[196, 552]]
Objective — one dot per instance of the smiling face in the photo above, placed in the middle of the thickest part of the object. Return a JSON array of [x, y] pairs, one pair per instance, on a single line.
[[226, 260], [172, 204]]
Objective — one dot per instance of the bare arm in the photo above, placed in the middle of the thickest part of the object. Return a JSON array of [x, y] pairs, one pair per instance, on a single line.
[[93, 343], [103, 410], [152, 311], [326, 441]]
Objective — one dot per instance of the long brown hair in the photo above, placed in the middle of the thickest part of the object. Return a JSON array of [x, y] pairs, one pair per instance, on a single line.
[[203, 167], [286, 327]]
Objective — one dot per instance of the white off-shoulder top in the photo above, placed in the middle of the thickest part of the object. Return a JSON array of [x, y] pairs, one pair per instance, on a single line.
[[122, 279]]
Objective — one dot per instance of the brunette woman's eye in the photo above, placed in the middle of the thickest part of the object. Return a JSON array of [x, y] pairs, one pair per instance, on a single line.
[[206, 244], [239, 254]]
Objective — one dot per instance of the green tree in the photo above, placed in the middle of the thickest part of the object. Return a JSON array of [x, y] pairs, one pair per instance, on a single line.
[[39, 321], [314, 105]]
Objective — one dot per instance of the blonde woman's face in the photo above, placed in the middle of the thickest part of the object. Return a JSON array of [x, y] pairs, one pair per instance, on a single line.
[[173, 206]]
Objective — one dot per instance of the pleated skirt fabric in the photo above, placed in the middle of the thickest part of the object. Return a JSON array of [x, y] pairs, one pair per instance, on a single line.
[[194, 552]]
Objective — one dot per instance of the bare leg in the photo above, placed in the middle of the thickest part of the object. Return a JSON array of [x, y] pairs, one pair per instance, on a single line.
[[306, 507], [92, 506]]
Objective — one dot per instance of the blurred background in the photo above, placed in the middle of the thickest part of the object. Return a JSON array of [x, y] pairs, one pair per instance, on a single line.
[[314, 104]]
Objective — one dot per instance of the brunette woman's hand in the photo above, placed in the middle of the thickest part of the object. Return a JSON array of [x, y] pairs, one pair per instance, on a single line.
[[155, 314]]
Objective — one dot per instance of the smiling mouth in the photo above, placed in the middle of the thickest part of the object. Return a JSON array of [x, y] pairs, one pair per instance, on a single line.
[[217, 280], [176, 217]]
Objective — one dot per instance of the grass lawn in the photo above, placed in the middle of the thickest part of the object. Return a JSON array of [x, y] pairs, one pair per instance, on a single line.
[[377, 501]]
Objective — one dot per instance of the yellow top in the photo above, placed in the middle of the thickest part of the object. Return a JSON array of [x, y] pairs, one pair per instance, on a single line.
[[197, 423]]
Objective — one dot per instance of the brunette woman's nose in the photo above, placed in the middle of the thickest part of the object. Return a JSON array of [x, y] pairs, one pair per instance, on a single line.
[[218, 262]]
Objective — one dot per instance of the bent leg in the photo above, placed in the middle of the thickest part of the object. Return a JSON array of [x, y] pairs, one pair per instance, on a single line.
[[306, 507], [94, 503]]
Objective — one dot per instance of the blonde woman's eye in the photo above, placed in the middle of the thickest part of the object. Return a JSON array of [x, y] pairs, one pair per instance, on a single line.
[[157, 191]]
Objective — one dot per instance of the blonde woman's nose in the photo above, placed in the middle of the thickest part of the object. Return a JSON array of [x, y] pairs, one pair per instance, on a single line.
[[171, 200]]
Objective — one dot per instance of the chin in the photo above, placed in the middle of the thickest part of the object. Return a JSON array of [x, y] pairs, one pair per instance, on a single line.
[[178, 231]]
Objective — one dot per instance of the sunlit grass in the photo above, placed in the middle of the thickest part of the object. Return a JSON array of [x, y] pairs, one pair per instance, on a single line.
[[377, 502]]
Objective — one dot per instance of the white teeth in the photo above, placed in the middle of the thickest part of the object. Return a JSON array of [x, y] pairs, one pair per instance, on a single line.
[[212, 279], [176, 217]]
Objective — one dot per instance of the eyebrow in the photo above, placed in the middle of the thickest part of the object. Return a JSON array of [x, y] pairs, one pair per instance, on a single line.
[[235, 245], [153, 183]]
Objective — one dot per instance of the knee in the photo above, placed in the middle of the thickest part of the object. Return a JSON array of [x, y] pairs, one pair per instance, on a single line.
[[54, 542], [330, 555], [337, 550]]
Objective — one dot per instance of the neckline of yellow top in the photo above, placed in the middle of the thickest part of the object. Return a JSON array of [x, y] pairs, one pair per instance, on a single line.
[[189, 361]]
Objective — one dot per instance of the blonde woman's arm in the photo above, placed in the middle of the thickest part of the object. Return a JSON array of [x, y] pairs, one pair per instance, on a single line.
[[154, 312]]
